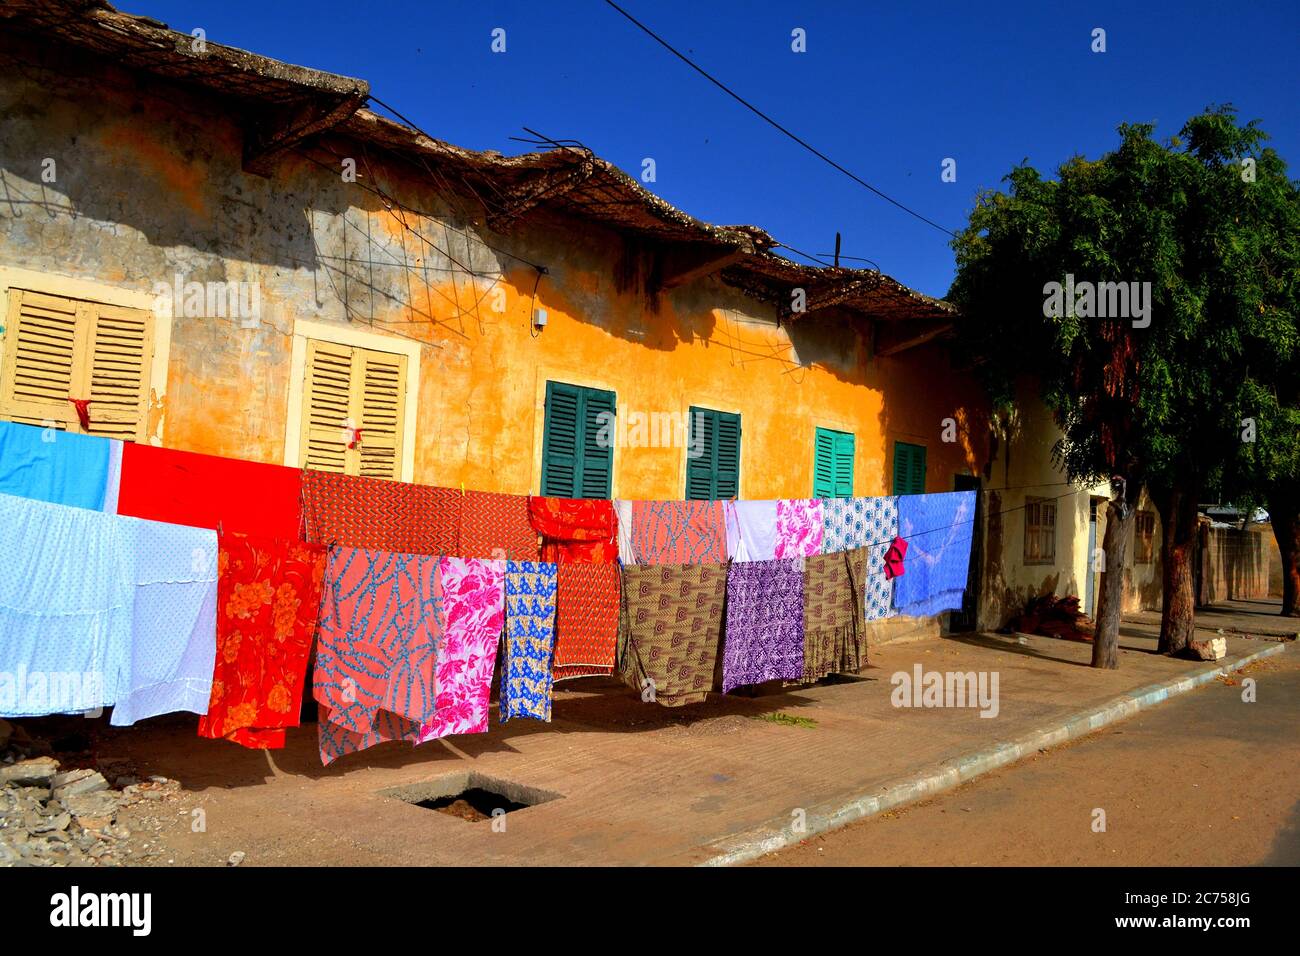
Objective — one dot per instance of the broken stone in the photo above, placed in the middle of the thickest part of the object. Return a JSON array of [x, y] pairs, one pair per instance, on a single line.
[[35, 772], [98, 804], [1212, 650], [78, 782], [236, 858], [57, 822]]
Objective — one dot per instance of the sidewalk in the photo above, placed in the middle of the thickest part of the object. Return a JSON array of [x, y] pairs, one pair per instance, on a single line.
[[639, 784], [1258, 618]]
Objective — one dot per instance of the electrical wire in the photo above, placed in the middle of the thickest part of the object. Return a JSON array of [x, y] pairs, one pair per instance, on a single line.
[[771, 122]]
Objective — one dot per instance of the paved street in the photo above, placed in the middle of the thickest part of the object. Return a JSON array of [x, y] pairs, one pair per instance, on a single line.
[[1204, 779]]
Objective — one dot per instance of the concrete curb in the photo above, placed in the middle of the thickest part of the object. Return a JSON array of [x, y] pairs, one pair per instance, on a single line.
[[751, 844]]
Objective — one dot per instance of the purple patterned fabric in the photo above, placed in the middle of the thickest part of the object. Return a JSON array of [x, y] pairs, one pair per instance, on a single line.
[[764, 623]]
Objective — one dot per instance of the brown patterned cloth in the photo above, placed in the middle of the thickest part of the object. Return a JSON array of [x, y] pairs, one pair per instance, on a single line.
[[496, 526], [834, 635], [670, 629], [355, 512]]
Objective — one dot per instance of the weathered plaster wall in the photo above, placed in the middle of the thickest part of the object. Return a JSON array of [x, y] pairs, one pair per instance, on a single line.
[[149, 187]]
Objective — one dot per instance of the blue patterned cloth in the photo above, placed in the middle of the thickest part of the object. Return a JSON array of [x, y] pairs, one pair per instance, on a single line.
[[526, 677], [938, 529], [870, 523], [63, 468]]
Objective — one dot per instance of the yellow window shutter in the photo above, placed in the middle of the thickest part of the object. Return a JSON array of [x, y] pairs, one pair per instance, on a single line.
[[57, 349], [380, 412], [119, 351], [350, 389], [326, 405], [43, 345]]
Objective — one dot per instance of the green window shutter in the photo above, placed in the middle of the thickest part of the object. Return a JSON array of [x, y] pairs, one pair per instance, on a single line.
[[715, 472], [596, 479], [574, 462], [833, 464], [909, 469], [561, 452], [844, 446]]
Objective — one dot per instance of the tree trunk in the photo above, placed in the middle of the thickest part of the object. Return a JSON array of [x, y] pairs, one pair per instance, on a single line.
[[1284, 512], [1110, 602], [1178, 599]]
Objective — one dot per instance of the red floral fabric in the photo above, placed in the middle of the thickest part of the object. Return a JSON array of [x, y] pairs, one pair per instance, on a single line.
[[496, 527], [394, 516], [575, 529], [268, 596]]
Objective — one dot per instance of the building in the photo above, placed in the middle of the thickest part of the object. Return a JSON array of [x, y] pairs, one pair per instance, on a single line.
[[228, 254]]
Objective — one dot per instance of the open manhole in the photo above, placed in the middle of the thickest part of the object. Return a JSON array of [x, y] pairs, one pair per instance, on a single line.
[[470, 796]]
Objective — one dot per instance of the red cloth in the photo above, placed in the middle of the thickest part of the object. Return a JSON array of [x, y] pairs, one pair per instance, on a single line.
[[394, 516], [183, 487], [586, 619], [496, 526], [894, 558], [268, 596], [575, 529]]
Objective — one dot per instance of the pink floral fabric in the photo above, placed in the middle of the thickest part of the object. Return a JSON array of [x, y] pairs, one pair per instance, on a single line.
[[474, 613], [799, 527]]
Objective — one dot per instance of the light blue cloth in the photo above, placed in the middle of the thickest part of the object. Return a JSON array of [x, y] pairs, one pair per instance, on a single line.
[[65, 609], [938, 529], [173, 571], [63, 468], [101, 610]]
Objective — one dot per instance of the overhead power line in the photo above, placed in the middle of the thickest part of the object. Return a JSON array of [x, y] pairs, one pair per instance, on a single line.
[[771, 122]]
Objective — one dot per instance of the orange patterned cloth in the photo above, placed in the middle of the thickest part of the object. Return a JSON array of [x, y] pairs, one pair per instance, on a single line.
[[268, 595], [496, 526], [394, 516], [575, 529], [586, 619]]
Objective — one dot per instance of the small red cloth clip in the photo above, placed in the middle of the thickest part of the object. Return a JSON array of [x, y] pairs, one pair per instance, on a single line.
[[82, 405], [894, 558], [356, 438]]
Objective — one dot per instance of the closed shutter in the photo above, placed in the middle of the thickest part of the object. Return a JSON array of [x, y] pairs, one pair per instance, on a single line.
[[350, 388], [909, 469], [833, 455], [576, 462], [57, 349], [713, 473]]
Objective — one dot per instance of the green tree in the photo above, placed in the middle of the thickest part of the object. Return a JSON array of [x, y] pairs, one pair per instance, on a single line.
[[1149, 394]]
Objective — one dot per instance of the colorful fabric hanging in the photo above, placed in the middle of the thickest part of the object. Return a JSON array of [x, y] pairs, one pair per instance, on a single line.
[[849, 523], [670, 629], [586, 620], [833, 593], [204, 491], [496, 526], [678, 532], [575, 529], [394, 516], [751, 530], [938, 529], [173, 571], [65, 609], [530, 640], [799, 527], [474, 605], [268, 598], [623, 517], [381, 618], [765, 626], [880, 526], [60, 467], [894, 566]]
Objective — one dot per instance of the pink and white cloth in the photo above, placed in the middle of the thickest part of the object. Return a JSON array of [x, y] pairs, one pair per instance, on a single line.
[[474, 613], [800, 525]]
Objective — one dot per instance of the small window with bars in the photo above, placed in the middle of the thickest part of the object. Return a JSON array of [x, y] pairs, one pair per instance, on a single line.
[[1144, 537], [61, 353], [1040, 531]]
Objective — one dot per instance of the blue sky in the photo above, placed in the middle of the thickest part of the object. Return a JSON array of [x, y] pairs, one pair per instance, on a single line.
[[887, 90]]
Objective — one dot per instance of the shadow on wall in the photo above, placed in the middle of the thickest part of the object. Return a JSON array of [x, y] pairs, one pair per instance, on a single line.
[[1234, 564]]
